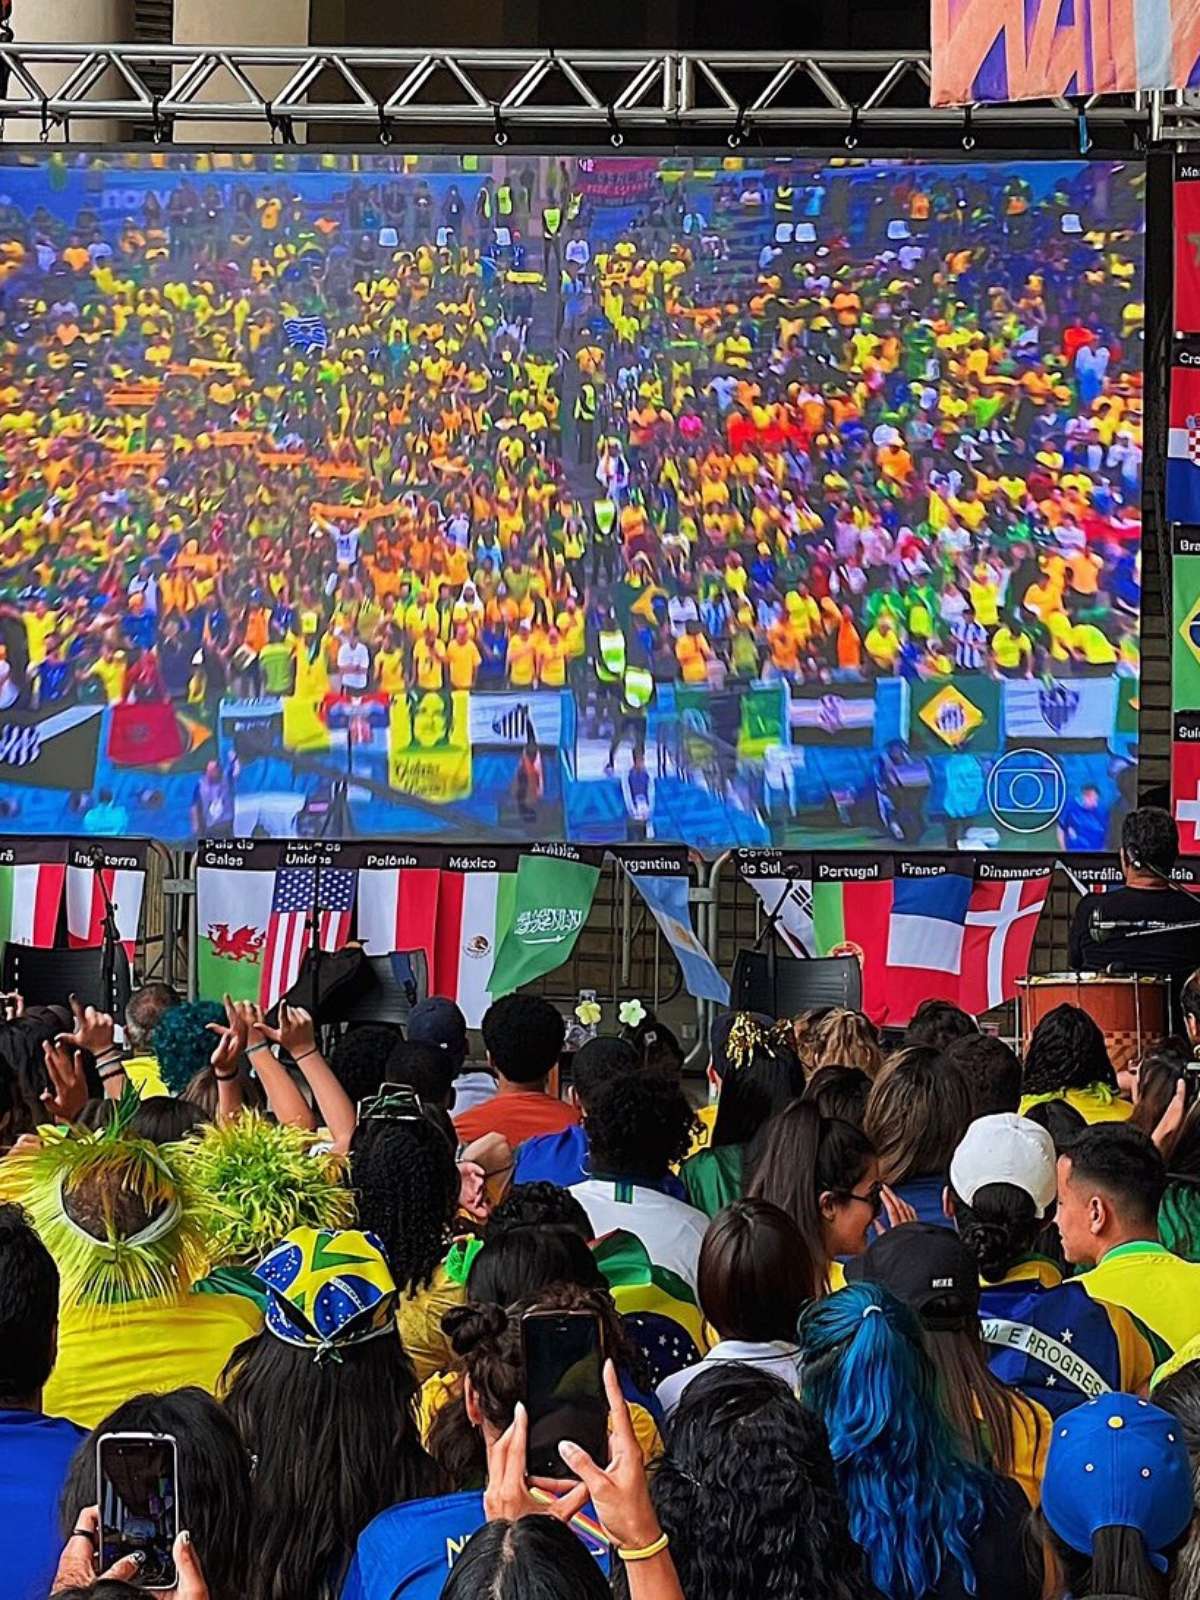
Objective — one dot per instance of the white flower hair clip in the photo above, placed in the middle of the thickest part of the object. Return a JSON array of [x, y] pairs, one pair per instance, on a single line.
[[630, 1013]]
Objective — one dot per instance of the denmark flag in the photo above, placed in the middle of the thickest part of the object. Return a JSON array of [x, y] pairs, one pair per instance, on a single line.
[[1002, 919]]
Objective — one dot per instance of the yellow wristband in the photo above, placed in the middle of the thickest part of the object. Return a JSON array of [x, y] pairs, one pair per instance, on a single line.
[[655, 1549]]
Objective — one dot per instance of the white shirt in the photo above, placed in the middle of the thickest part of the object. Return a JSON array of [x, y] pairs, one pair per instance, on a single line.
[[780, 1359], [353, 662], [671, 1231]]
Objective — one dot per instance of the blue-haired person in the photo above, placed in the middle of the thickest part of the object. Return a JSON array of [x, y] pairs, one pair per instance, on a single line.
[[934, 1525]]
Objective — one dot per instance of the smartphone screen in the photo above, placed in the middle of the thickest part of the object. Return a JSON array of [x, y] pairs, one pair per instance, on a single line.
[[564, 1389], [137, 1492]]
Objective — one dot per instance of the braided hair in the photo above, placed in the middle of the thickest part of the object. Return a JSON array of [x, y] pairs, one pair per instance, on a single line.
[[406, 1184]]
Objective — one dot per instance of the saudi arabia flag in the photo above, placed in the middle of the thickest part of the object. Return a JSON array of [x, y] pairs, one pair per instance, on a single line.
[[233, 909], [30, 897], [550, 906]]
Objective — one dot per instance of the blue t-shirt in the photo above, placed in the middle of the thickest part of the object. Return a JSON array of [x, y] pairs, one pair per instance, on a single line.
[[407, 1552], [35, 1455], [560, 1158]]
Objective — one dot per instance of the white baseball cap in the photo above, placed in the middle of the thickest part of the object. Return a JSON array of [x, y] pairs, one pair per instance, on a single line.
[[1006, 1148]]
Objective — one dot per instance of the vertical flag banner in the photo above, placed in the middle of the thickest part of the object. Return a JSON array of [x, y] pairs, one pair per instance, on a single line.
[[1185, 619], [926, 928], [289, 933], [851, 908], [1183, 434], [235, 886], [398, 902], [1002, 917], [782, 880], [1185, 779], [32, 875], [122, 869], [475, 907], [667, 897], [553, 897], [1187, 245]]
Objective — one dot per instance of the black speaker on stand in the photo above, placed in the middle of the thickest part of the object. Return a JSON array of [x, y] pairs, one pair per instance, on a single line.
[[782, 986]]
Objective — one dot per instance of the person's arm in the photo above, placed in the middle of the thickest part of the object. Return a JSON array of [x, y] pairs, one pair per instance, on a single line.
[[94, 1031], [297, 1035], [283, 1096], [226, 1062]]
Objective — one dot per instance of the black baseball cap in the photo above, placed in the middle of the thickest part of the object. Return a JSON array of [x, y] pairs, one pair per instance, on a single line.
[[439, 1022], [928, 1268]]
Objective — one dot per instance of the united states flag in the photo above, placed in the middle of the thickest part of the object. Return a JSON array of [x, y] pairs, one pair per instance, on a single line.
[[288, 929], [307, 333]]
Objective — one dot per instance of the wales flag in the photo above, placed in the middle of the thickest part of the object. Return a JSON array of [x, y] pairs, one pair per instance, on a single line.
[[550, 905], [1185, 650], [233, 909]]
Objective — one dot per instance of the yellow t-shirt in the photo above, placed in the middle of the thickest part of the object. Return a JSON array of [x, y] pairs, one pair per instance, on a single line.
[[143, 1074], [1160, 1289], [1094, 1104], [463, 661], [420, 1322], [107, 1355]]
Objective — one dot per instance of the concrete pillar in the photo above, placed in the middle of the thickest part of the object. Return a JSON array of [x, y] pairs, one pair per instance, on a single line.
[[239, 22], [71, 22]]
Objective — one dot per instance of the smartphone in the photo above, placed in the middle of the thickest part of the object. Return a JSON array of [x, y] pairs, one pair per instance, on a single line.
[[137, 1490], [564, 1389]]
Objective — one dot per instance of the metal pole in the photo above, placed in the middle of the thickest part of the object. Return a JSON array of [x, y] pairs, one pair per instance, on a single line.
[[626, 929]]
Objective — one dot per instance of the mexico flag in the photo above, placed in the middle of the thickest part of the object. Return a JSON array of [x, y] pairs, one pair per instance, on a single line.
[[124, 885], [30, 897], [475, 898]]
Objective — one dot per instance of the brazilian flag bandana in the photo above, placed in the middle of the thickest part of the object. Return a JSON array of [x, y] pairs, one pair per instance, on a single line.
[[328, 1290]]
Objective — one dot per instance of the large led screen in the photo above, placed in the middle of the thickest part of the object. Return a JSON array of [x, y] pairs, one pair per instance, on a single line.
[[496, 497]]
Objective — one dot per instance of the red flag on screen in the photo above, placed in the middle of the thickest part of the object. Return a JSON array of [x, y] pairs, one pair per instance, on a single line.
[[144, 733]]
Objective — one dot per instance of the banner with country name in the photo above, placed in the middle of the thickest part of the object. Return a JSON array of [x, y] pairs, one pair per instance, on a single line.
[[39, 877], [1185, 686], [953, 927]]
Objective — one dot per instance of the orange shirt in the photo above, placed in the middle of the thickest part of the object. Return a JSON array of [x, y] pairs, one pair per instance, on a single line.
[[516, 1116]]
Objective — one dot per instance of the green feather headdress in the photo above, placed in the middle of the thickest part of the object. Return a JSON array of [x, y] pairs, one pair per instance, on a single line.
[[161, 1261], [256, 1181]]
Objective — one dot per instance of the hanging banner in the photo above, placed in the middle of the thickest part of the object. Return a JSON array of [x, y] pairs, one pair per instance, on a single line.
[[32, 875], [99, 874], [551, 901], [1035, 49], [1183, 434], [1187, 245], [955, 927], [667, 897]]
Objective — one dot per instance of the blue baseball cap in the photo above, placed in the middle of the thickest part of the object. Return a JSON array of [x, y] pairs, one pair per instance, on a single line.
[[439, 1022], [1118, 1462]]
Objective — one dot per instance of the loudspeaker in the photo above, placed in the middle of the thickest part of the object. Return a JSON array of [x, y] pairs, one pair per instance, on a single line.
[[49, 977], [401, 981], [796, 985]]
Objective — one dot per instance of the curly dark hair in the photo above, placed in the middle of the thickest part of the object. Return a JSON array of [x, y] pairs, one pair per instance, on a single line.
[[1067, 1051], [939, 1023], [658, 1050], [360, 1059], [527, 1205], [639, 1125], [1150, 838], [406, 1185], [486, 1341], [183, 1043], [599, 1061], [747, 1493], [523, 1035]]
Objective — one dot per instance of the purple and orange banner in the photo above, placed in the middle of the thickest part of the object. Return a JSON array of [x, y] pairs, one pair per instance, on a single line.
[[1031, 49]]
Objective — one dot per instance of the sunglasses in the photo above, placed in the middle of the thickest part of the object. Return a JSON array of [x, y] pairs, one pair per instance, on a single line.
[[872, 1198]]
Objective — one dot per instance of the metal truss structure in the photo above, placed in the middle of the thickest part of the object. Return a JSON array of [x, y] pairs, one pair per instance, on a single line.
[[741, 94]]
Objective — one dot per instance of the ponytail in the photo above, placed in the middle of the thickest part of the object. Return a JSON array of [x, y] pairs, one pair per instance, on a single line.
[[999, 1227], [915, 1503]]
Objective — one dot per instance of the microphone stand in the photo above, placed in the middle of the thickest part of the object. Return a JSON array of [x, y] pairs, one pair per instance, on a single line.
[[111, 949]]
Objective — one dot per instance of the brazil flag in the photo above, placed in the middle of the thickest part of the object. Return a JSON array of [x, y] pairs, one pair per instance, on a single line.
[[1185, 618]]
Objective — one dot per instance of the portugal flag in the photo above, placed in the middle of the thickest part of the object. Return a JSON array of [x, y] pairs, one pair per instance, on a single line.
[[853, 918]]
